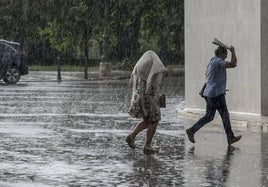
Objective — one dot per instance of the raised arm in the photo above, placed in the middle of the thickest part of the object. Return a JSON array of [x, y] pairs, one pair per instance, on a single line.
[[233, 62]]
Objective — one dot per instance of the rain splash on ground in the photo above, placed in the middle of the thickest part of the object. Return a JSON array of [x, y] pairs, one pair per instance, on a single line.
[[73, 133]]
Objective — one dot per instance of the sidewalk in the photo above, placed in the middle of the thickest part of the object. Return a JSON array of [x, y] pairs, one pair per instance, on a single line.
[[73, 133], [239, 121], [48, 76]]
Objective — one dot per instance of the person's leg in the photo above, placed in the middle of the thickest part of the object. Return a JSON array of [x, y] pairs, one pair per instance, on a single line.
[[139, 127], [224, 113], [150, 134], [209, 116]]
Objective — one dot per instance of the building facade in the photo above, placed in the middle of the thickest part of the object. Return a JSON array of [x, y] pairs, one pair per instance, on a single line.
[[243, 24]]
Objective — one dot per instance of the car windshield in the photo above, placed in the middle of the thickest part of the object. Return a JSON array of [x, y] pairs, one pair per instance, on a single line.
[[14, 45], [5, 48]]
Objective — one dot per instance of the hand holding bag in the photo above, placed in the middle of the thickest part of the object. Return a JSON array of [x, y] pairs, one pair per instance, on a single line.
[[201, 93]]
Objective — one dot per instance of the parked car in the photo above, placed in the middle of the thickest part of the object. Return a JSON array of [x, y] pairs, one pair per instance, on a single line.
[[13, 61]]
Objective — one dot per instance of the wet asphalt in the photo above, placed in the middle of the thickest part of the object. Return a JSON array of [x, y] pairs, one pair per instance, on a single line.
[[72, 133]]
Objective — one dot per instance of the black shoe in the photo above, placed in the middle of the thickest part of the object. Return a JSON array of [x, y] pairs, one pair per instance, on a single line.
[[130, 142], [190, 135], [234, 139]]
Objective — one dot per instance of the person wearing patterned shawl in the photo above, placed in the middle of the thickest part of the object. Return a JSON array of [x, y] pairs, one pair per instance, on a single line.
[[146, 78]]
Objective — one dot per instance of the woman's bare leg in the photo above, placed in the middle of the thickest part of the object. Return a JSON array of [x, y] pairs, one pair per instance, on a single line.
[[139, 127], [150, 134]]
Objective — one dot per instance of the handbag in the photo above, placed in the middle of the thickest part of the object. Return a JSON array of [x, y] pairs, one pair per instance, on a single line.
[[202, 90], [162, 101]]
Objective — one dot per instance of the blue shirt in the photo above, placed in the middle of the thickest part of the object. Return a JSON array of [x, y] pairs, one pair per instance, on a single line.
[[215, 77]]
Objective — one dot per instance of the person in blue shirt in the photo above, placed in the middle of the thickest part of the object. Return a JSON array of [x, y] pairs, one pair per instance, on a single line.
[[214, 94]]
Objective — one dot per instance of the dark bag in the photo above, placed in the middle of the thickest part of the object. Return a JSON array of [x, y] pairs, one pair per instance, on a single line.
[[162, 101], [202, 90]]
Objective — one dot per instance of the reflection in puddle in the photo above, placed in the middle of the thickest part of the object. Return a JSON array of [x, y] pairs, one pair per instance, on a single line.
[[264, 159], [73, 134]]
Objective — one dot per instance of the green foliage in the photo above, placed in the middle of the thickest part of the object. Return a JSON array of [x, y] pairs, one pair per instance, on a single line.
[[52, 33], [47, 28]]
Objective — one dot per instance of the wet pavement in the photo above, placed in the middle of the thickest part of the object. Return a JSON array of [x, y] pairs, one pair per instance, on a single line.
[[73, 133]]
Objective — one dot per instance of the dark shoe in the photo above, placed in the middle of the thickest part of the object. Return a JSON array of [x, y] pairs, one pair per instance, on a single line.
[[234, 139], [190, 135], [130, 142]]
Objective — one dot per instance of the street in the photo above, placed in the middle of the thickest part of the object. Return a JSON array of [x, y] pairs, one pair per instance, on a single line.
[[72, 133]]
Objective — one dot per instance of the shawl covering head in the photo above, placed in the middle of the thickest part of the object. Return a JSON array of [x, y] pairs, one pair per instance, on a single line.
[[148, 68]]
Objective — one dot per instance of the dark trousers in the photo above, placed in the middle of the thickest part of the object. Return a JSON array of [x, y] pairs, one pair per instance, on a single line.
[[213, 104]]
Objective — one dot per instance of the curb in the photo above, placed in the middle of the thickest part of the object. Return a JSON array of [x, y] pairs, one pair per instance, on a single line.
[[51, 76], [238, 121]]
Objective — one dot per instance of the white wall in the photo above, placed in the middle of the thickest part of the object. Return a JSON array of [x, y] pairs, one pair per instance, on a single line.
[[234, 22], [264, 57]]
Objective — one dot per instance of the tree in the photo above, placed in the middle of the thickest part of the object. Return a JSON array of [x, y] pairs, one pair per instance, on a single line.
[[66, 26], [162, 28]]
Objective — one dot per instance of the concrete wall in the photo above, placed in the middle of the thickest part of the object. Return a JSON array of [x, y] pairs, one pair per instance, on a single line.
[[264, 57], [234, 22]]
